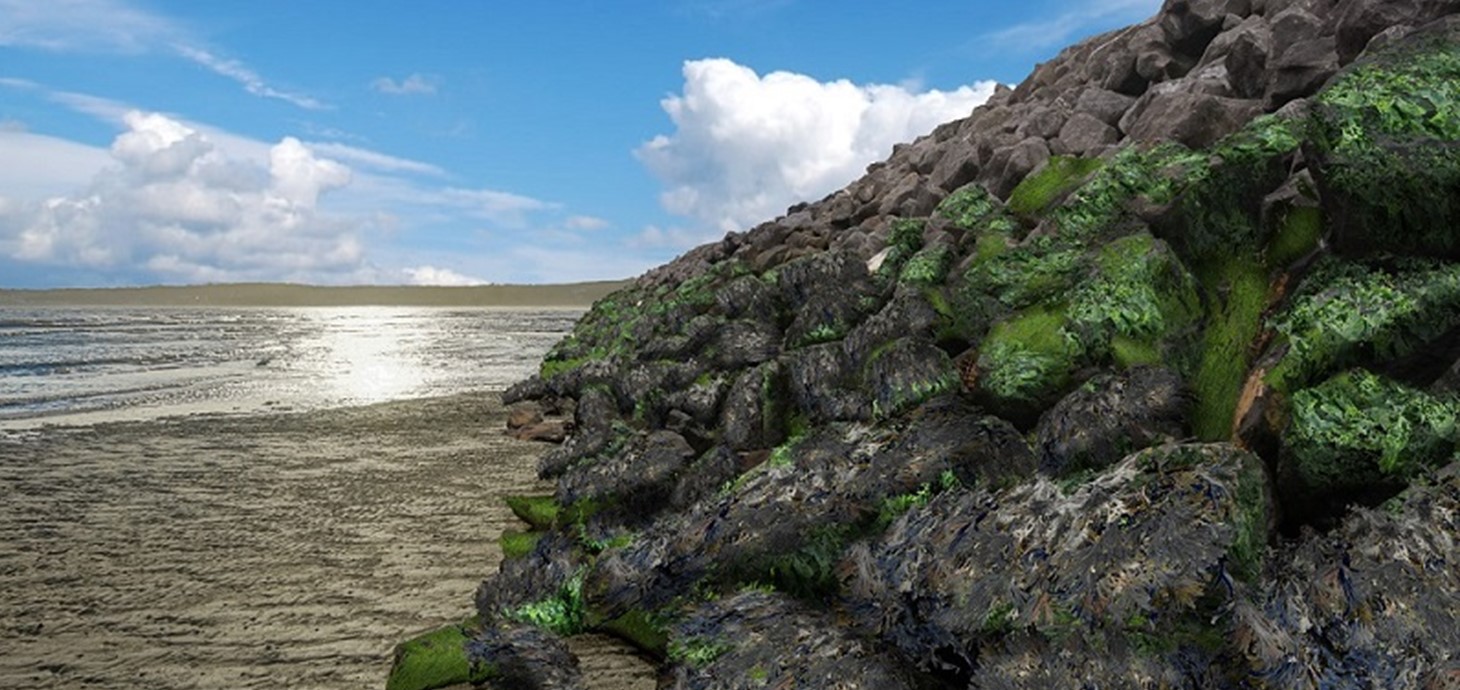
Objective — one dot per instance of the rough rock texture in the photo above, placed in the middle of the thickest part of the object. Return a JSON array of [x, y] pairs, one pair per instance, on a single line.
[[1139, 376]]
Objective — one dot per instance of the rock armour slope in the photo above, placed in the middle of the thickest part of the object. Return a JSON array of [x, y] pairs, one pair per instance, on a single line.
[[1142, 375]]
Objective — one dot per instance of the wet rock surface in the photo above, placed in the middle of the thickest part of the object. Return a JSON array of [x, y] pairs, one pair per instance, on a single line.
[[1137, 376]]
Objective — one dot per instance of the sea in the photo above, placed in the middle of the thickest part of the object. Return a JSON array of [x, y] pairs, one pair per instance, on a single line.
[[84, 365]]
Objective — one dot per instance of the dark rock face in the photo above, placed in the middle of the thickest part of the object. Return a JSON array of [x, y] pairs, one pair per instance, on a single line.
[[758, 639], [1110, 416], [1097, 561], [1205, 266], [525, 657]]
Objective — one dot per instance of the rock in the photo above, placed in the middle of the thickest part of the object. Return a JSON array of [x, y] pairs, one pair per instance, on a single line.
[[1194, 119], [1189, 25], [821, 384], [1123, 558], [706, 475], [1246, 51], [1085, 135], [1105, 106], [1110, 417], [530, 388], [1375, 601], [523, 657], [957, 167], [1357, 21], [1008, 166], [765, 639], [523, 414], [1300, 70], [752, 416], [637, 479], [743, 343], [549, 431], [1044, 123], [904, 373]]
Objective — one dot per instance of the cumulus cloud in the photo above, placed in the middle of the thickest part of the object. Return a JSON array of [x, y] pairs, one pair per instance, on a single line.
[[445, 277], [747, 146], [172, 203], [414, 84]]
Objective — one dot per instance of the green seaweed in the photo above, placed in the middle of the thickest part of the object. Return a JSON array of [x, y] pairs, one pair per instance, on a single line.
[[927, 267], [697, 652], [436, 659], [1232, 326], [1388, 131], [970, 207], [1029, 356], [516, 544], [540, 512], [1058, 177], [1357, 428], [561, 613]]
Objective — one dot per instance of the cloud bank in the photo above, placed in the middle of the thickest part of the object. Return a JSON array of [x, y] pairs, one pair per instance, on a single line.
[[747, 146], [172, 203]]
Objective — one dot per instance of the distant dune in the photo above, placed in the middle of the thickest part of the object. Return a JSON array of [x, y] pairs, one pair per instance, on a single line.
[[290, 295]]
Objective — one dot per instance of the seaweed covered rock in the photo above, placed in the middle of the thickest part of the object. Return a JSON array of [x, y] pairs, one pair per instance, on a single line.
[[1205, 265], [1374, 603], [762, 639], [1143, 553], [523, 657], [1111, 416], [789, 519]]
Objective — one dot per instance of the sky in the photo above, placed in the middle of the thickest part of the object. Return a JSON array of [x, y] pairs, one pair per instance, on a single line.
[[430, 142]]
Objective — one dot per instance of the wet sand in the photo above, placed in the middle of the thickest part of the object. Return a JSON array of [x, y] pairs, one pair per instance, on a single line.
[[289, 550]]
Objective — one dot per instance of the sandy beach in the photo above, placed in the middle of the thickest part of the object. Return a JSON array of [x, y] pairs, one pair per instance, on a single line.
[[268, 551]]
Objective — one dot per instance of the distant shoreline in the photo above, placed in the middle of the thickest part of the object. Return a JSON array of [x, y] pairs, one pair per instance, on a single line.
[[294, 295]]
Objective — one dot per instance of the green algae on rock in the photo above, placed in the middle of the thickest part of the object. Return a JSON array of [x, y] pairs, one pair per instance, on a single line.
[[436, 659], [956, 411]]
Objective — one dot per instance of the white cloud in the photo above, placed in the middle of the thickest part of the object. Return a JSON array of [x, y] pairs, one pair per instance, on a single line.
[[40, 166], [173, 204], [747, 146], [587, 223], [1058, 30], [676, 238], [414, 84], [432, 275], [96, 26], [250, 80], [374, 159]]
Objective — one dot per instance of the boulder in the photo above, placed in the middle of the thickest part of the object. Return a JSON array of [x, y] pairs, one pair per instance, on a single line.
[[1300, 70], [1134, 557], [1104, 105], [1355, 22], [524, 657], [1196, 120], [1110, 417], [765, 639], [1084, 135]]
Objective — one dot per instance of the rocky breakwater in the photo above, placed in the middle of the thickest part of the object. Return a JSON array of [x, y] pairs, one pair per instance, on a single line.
[[1143, 375]]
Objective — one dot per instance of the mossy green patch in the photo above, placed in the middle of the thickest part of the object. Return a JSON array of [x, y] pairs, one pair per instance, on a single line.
[[644, 630], [1027, 358], [1252, 521], [970, 207], [1039, 270], [562, 613], [1140, 292], [1233, 324], [927, 267], [541, 512], [1298, 234], [1357, 428], [518, 544], [436, 659], [906, 234], [1347, 313], [697, 652], [1042, 188], [1389, 134]]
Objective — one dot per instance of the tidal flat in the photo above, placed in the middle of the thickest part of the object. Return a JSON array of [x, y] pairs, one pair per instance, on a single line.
[[272, 550]]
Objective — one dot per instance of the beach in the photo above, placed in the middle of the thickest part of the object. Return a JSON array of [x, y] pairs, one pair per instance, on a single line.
[[262, 550]]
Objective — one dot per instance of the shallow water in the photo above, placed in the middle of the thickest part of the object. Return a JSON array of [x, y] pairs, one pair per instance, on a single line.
[[89, 364]]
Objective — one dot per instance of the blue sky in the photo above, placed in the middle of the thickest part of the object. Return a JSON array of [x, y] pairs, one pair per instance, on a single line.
[[171, 141]]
